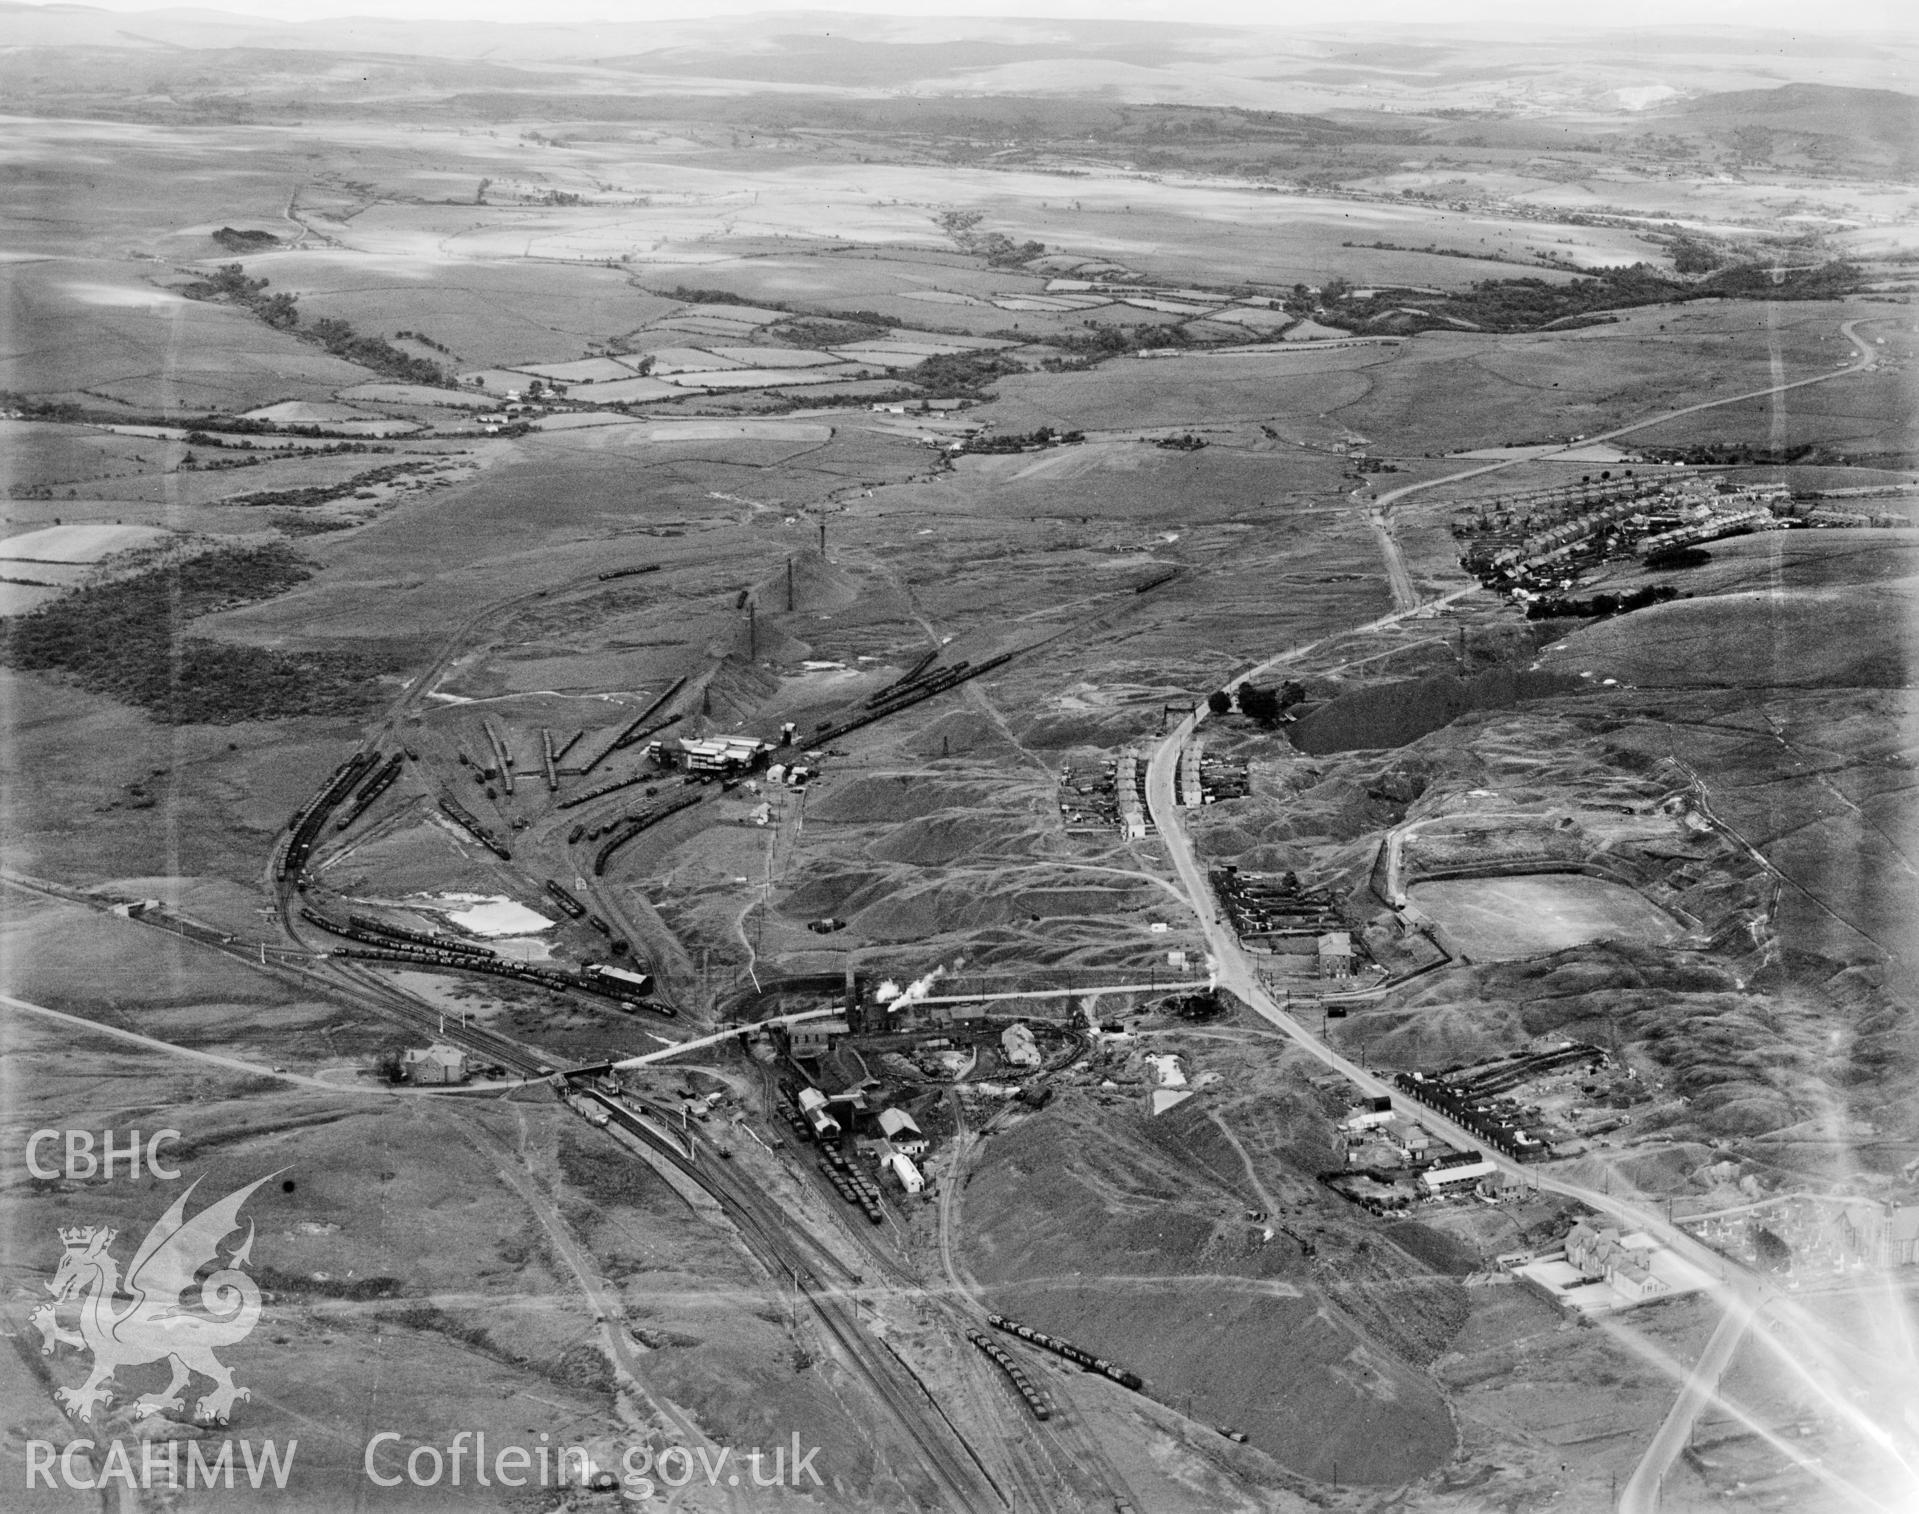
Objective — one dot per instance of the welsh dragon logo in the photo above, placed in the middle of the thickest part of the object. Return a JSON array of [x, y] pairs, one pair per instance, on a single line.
[[145, 1316]]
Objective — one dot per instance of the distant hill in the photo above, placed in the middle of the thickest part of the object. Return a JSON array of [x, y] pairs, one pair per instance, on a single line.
[[1884, 117], [1312, 68]]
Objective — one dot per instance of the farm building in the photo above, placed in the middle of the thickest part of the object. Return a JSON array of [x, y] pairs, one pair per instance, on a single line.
[[438, 1064], [1018, 1047], [903, 1131]]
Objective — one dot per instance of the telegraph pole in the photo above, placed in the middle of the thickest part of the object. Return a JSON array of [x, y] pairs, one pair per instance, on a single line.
[[822, 536], [752, 632], [789, 588]]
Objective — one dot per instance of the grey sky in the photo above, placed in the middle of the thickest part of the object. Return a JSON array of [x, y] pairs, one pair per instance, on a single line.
[[1892, 16]]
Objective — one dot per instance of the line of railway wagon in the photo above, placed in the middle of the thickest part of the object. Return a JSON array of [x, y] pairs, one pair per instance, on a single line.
[[307, 824], [377, 946], [1035, 1400], [1068, 1350], [852, 1185], [631, 825], [374, 787], [635, 730], [364, 926], [563, 897], [903, 695], [589, 795], [465, 819]]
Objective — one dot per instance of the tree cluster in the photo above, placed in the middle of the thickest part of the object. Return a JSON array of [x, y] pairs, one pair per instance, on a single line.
[[1000, 250], [245, 241], [1600, 604], [229, 284], [1102, 340], [1267, 705], [1526, 304], [374, 352], [1022, 441], [961, 373], [306, 496], [126, 640]]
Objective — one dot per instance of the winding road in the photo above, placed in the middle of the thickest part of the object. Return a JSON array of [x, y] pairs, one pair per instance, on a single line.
[[1641, 1492], [1235, 970]]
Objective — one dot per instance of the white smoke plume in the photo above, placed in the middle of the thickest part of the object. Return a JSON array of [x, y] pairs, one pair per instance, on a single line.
[[896, 998]]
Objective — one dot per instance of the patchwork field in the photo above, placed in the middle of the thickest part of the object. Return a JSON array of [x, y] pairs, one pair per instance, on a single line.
[[946, 409]]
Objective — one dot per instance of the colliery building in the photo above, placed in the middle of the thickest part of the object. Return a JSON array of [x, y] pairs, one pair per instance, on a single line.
[[709, 754]]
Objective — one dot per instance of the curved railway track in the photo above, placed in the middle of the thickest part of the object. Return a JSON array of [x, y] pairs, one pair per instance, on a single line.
[[1045, 1471], [827, 1285]]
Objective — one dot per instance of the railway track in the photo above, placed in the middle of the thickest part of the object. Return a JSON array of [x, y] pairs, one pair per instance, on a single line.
[[826, 1284], [309, 970], [1056, 1465]]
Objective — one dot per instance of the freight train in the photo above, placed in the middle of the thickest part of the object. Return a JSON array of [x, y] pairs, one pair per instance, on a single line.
[[916, 675], [545, 978], [911, 675], [1068, 1350], [1035, 1400], [606, 788], [901, 696], [852, 1185], [307, 824], [468, 822], [375, 786], [635, 730], [629, 827], [378, 948], [367, 926], [560, 896]]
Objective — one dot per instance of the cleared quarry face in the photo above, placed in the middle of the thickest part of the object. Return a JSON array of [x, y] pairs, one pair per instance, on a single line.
[[1500, 919]]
